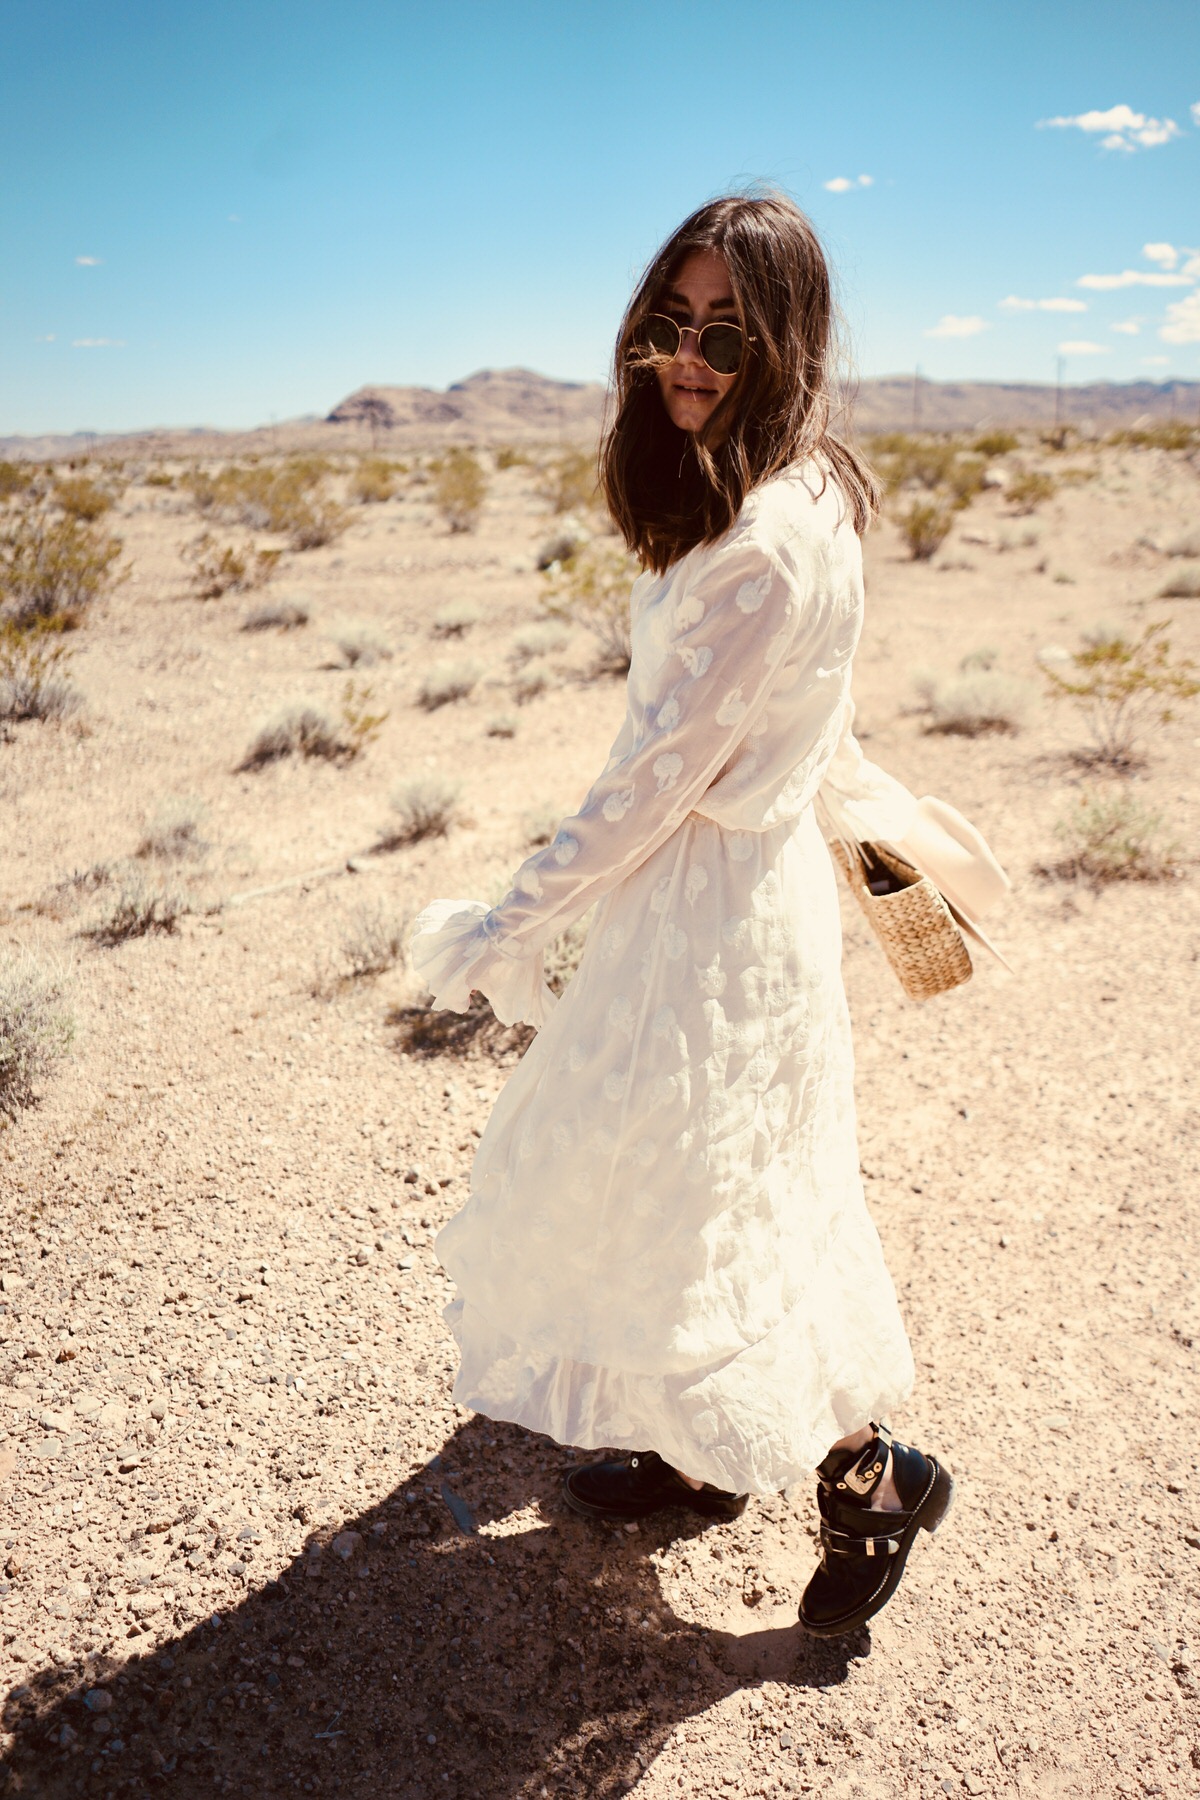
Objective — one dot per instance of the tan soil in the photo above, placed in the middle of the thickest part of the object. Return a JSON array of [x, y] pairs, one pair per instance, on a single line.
[[248, 1574]]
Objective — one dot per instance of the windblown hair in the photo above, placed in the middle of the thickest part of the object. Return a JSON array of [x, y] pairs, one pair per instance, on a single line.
[[669, 490]]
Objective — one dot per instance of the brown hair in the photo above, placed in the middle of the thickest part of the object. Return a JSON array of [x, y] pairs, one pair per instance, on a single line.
[[669, 490]]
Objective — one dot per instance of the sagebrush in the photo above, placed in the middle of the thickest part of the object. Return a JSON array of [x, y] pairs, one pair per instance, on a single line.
[[37, 1026]]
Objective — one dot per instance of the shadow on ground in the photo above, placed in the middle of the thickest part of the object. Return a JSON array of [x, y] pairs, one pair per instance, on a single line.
[[419, 1657]]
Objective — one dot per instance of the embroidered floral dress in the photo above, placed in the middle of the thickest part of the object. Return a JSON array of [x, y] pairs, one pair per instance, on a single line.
[[667, 1244]]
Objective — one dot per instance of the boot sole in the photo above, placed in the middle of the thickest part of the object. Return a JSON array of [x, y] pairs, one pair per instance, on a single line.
[[927, 1515], [587, 1509]]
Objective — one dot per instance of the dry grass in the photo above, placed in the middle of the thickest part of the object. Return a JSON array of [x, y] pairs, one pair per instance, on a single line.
[[1028, 489], [373, 940], [569, 482], [445, 682], [32, 684], [544, 639], [36, 1025], [287, 496], [359, 646], [173, 833], [138, 908], [459, 489], [82, 499], [1110, 836], [308, 732], [1182, 584], [455, 620], [502, 725], [924, 528], [530, 680], [277, 615], [228, 568], [374, 481], [424, 808], [592, 590], [977, 700]]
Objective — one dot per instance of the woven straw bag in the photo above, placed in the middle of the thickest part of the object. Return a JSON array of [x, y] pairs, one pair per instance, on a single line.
[[911, 920]]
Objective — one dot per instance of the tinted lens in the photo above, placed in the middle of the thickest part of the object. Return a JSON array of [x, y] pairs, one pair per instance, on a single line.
[[721, 348], [662, 335]]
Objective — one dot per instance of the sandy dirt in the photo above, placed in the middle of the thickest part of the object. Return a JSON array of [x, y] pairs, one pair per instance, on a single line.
[[251, 1547]]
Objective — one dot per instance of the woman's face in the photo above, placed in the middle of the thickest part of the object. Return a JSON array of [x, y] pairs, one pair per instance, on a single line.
[[699, 293]]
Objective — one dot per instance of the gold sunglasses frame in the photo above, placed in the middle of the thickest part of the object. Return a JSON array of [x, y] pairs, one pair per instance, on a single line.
[[659, 358]]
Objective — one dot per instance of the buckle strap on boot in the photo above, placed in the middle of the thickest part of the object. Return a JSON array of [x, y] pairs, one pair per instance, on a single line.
[[846, 1543], [857, 1472]]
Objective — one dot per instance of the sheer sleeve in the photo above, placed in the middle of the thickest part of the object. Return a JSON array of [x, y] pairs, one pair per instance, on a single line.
[[864, 801], [729, 629]]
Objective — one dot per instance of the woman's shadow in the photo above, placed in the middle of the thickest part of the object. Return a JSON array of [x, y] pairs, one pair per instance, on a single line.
[[413, 1653]]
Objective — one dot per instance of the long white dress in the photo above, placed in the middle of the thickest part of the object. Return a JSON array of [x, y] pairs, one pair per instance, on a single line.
[[667, 1244]]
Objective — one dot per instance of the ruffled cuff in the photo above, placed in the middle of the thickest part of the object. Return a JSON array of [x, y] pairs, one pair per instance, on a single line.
[[451, 953]]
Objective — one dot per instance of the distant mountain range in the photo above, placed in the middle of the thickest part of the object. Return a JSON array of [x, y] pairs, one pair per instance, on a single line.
[[516, 406]]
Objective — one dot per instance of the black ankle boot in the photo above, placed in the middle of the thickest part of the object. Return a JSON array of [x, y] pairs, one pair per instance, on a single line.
[[632, 1487], [863, 1551]]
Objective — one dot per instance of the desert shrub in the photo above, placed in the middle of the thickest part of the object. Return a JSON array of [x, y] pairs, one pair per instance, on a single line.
[[138, 908], [82, 499], [444, 682], [159, 478], [459, 489], [1182, 584], [1124, 687], [287, 497], [986, 657], [227, 569], [1170, 434], [901, 459], [66, 894], [374, 481], [309, 732], [996, 443], [540, 823], [1186, 545], [1111, 837], [545, 638], [592, 589], [501, 725], [424, 807], [36, 1026], [373, 940], [172, 834], [359, 646], [975, 701], [1028, 538], [563, 545], [53, 569], [569, 481], [508, 457], [32, 685], [530, 680], [924, 527], [277, 615], [15, 478], [1028, 489], [455, 620]]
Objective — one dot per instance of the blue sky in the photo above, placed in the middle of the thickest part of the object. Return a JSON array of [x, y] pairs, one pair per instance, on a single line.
[[226, 213]]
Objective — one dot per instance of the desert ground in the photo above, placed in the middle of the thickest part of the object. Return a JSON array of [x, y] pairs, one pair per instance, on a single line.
[[250, 1545]]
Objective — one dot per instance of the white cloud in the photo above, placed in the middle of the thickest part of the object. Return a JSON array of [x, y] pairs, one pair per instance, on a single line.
[[1082, 347], [950, 325], [1196, 112], [46, 338], [842, 184], [1156, 362], [1137, 278], [1166, 255], [1127, 327], [89, 262], [97, 343], [1014, 303], [1183, 322], [1124, 129]]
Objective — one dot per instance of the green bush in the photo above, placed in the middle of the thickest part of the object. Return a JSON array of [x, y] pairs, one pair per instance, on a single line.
[[288, 497], [1124, 686], [996, 443], [592, 589], [1170, 434], [82, 499], [569, 482], [459, 489], [227, 568], [15, 478], [924, 528], [374, 480], [1028, 489], [53, 568]]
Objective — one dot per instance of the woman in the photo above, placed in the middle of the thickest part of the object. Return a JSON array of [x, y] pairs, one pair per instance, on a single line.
[[667, 1247]]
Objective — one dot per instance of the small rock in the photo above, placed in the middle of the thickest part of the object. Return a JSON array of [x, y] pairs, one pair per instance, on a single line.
[[345, 1544], [972, 1784], [87, 1405], [12, 1283], [98, 1700], [144, 1603], [112, 1416], [55, 1421], [786, 1740], [22, 1650], [364, 1253], [159, 1407], [48, 1447]]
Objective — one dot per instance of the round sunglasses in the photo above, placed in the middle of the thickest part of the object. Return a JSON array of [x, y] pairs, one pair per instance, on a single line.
[[721, 345]]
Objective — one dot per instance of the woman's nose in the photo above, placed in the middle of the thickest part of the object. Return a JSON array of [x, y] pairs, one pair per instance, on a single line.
[[689, 345]]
